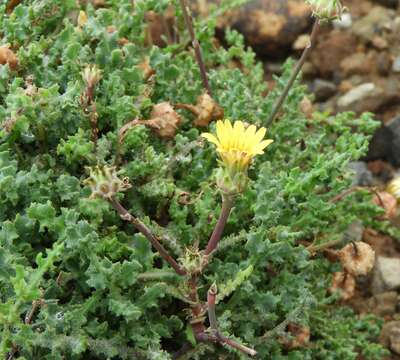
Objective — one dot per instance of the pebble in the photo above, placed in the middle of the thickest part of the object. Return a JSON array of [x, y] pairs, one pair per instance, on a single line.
[[362, 176], [386, 275], [344, 23], [390, 336], [323, 89], [396, 64], [357, 94]]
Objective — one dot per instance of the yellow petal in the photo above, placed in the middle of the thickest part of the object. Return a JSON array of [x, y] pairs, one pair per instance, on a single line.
[[248, 137], [211, 138], [238, 129], [221, 132], [258, 149], [259, 135], [228, 134]]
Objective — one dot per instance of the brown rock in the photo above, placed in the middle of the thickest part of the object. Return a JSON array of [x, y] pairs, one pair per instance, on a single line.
[[373, 24], [331, 50], [390, 336], [358, 63], [383, 305]]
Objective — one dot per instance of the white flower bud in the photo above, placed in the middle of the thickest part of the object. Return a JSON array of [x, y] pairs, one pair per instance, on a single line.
[[326, 9]]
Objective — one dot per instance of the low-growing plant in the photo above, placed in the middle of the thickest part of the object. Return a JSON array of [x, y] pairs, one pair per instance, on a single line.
[[109, 193]]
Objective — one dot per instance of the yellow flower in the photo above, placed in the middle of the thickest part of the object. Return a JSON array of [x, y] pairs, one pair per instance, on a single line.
[[238, 145]]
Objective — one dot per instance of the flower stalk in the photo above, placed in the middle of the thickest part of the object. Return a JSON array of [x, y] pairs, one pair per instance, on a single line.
[[227, 204], [278, 104], [196, 45], [141, 227], [216, 335]]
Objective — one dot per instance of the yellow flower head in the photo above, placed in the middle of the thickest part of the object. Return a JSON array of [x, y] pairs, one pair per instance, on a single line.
[[238, 145]]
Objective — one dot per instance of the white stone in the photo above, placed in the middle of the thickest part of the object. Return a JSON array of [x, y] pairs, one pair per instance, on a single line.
[[386, 274], [344, 23], [358, 93]]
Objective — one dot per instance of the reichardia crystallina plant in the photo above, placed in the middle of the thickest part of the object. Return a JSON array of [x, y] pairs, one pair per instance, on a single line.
[[145, 211]]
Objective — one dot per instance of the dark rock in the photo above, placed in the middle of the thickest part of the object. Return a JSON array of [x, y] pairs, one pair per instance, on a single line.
[[270, 27], [394, 127], [323, 89], [380, 146], [389, 3], [383, 63], [362, 175]]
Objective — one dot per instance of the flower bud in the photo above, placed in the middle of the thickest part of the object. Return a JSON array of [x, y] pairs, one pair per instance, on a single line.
[[357, 258], [343, 283], [326, 9], [104, 182], [231, 183], [91, 76]]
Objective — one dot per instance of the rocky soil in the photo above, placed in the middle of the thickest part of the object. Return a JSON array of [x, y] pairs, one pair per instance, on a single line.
[[355, 66]]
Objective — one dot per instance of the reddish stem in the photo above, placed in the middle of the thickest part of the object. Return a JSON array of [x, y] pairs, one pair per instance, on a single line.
[[196, 45], [125, 215], [227, 205]]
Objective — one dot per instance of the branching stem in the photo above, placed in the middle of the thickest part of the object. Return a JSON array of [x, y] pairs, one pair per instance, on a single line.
[[295, 73], [140, 226], [196, 45]]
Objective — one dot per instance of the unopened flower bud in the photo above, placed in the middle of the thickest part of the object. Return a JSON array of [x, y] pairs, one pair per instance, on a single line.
[[326, 9], [104, 182], [91, 75], [344, 283], [357, 258]]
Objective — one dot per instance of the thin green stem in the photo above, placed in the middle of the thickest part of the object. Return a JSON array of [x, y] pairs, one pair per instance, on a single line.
[[295, 73]]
